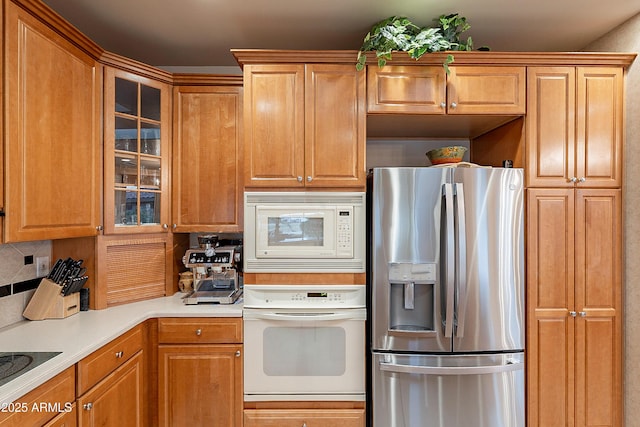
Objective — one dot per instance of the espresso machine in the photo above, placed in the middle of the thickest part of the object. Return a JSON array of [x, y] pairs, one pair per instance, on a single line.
[[216, 269]]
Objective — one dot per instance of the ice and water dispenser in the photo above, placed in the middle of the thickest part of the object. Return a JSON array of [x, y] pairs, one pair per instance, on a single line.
[[411, 299]]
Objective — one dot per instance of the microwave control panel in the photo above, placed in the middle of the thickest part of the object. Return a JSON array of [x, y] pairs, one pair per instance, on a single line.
[[344, 230]]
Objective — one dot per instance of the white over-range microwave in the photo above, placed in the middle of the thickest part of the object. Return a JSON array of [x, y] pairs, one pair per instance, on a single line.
[[304, 232]]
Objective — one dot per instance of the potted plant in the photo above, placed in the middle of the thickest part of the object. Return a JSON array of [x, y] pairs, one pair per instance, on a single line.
[[400, 34]]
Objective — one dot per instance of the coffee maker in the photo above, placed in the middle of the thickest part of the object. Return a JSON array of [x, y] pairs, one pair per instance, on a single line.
[[216, 269]]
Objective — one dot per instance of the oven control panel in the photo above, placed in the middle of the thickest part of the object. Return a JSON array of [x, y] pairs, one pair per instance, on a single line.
[[296, 296]]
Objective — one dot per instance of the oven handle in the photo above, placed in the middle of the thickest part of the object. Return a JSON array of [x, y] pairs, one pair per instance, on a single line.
[[303, 317], [511, 365]]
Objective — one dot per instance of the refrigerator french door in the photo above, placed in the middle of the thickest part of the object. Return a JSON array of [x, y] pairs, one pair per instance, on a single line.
[[447, 283]]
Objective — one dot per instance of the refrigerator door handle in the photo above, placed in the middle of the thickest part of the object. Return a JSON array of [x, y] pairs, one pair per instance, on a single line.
[[450, 264], [461, 261], [511, 365]]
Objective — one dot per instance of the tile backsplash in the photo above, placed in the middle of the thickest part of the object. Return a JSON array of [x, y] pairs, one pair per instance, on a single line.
[[18, 280]]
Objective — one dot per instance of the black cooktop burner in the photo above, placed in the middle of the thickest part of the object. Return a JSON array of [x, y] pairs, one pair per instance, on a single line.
[[14, 364]]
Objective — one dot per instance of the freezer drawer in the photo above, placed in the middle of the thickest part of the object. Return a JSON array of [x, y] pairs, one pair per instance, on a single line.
[[448, 391]]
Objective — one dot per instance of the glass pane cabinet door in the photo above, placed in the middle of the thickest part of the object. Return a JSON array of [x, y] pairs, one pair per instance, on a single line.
[[135, 125]]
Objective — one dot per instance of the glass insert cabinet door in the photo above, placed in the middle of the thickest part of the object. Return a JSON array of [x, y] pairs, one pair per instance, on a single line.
[[136, 153]]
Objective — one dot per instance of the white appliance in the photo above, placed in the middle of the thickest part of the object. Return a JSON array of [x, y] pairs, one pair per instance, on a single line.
[[304, 232], [304, 343], [447, 284]]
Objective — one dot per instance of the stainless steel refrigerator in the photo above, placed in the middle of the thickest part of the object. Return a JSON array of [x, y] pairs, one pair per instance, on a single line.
[[447, 297]]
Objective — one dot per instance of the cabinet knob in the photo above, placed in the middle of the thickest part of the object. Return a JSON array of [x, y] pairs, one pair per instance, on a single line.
[[443, 104], [573, 179], [582, 179], [304, 424], [572, 313], [198, 332], [454, 105], [583, 314], [88, 406], [119, 354], [299, 179], [174, 226], [309, 179], [99, 228], [238, 353], [165, 226]]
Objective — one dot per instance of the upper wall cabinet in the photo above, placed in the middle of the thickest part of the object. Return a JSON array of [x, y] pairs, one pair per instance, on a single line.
[[137, 135], [52, 133], [207, 159], [574, 126], [304, 126], [428, 90]]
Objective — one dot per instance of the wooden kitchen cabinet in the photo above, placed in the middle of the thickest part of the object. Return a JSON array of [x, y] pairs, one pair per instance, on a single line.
[[304, 126], [200, 372], [575, 301], [52, 129], [117, 400], [137, 144], [58, 393], [427, 89], [304, 417], [574, 126], [111, 383], [207, 159], [105, 360]]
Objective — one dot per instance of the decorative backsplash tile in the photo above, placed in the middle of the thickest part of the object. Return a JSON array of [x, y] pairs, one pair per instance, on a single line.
[[17, 280]]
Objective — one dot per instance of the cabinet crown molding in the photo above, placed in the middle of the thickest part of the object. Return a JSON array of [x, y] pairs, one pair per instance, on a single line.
[[266, 56]]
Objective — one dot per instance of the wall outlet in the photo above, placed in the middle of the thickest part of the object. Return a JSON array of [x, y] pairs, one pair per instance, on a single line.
[[42, 266]]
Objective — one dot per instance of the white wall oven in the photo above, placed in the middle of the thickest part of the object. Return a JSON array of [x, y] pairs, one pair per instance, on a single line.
[[304, 343], [315, 232]]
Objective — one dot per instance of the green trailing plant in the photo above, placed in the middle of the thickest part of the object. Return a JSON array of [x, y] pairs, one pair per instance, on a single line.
[[398, 33]]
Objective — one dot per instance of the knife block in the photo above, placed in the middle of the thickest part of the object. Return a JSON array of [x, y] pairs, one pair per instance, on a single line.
[[48, 303]]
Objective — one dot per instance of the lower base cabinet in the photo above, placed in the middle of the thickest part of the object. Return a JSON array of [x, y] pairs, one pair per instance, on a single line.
[[200, 372], [57, 394], [117, 400], [304, 418]]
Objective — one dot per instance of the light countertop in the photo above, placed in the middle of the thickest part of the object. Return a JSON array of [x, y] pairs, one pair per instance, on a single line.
[[79, 335]]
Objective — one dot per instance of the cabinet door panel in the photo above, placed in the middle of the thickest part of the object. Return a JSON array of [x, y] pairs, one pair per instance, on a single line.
[[598, 295], [550, 297], [599, 125], [207, 159], [52, 133], [137, 151], [274, 125], [208, 375], [486, 90], [117, 400], [550, 126], [406, 89], [334, 126]]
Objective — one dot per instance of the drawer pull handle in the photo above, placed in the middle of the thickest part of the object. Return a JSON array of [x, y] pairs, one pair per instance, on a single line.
[[119, 354], [88, 406], [198, 332]]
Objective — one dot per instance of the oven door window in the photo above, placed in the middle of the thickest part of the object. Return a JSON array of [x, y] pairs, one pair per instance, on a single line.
[[303, 351]]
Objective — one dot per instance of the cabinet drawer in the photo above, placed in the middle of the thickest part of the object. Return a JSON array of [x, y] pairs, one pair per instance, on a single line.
[[103, 361], [200, 330], [58, 392], [304, 417]]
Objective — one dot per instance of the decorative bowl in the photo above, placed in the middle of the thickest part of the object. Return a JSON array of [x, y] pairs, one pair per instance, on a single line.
[[444, 155]]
